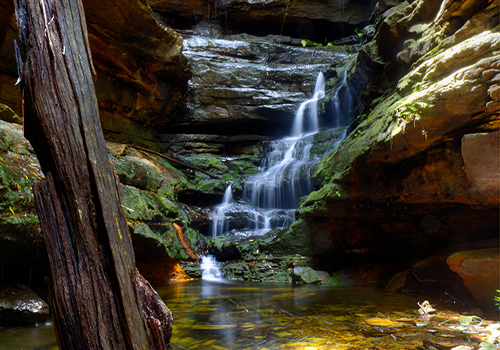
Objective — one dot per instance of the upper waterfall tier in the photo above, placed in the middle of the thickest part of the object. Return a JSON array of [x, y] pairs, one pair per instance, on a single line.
[[248, 87]]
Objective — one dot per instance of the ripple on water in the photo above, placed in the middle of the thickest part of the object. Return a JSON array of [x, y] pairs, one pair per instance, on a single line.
[[283, 316], [245, 315]]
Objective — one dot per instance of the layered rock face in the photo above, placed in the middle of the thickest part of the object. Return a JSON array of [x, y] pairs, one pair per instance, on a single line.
[[313, 20], [141, 72], [243, 91], [420, 173]]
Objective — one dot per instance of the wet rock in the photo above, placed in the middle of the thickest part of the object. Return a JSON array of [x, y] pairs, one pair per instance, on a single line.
[[308, 276], [479, 269], [397, 185], [263, 267], [21, 306], [248, 87]]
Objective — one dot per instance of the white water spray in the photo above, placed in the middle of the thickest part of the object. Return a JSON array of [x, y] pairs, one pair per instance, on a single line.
[[210, 270], [220, 223]]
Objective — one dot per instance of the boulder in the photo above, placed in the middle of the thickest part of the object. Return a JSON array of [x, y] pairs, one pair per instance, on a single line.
[[21, 306], [479, 269], [308, 276], [482, 165], [433, 274]]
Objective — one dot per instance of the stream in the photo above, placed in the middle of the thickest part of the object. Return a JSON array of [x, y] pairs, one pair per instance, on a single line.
[[243, 315]]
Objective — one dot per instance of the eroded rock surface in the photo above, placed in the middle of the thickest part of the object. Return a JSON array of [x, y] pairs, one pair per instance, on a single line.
[[141, 72]]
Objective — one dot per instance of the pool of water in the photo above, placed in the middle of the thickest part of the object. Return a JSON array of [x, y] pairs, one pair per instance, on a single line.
[[245, 315]]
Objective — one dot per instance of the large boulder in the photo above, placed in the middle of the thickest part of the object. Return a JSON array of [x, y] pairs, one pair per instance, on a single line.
[[479, 269]]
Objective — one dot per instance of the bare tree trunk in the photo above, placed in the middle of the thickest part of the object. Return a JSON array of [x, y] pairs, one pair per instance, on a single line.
[[98, 299]]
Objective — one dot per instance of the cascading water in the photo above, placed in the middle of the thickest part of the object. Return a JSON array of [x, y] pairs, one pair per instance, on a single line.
[[220, 222], [210, 270], [341, 103], [272, 195]]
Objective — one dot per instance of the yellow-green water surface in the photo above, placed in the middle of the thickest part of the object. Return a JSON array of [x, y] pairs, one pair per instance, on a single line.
[[244, 315]]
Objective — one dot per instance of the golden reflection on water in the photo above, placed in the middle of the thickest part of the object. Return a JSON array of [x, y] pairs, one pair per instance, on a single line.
[[238, 315], [269, 316]]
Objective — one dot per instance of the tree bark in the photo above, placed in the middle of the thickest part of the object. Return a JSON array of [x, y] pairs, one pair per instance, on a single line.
[[98, 299]]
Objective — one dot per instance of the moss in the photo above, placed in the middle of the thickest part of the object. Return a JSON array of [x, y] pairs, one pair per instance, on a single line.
[[206, 162], [212, 186], [149, 246]]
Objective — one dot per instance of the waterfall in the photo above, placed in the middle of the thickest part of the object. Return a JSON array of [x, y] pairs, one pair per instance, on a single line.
[[271, 196], [220, 222], [342, 103], [311, 106], [210, 270]]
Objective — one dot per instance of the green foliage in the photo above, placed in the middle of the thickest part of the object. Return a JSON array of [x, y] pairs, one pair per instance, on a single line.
[[497, 298], [488, 346], [410, 112], [306, 43], [470, 321], [359, 32]]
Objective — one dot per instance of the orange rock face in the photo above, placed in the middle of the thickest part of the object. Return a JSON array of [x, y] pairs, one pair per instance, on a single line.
[[141, 72], [479, 269]]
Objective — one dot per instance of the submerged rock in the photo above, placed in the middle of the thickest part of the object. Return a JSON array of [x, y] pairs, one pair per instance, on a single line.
[[21, 306]]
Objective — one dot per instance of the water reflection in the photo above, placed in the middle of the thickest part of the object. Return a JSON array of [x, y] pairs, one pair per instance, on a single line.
[[243, 315], [28, 338]]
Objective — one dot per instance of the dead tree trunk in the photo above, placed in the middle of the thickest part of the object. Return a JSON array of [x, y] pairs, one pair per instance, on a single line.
[[98, 299]]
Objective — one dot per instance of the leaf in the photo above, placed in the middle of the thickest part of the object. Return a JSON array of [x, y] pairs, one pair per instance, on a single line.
[[383, 322], [11, 210]]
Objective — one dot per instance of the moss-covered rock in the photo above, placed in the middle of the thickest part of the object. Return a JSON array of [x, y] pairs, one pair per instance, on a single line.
[[308, 275], [20, 236], [399, 176]]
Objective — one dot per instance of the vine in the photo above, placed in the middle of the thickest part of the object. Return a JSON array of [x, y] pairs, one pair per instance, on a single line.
[[286, 10]]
